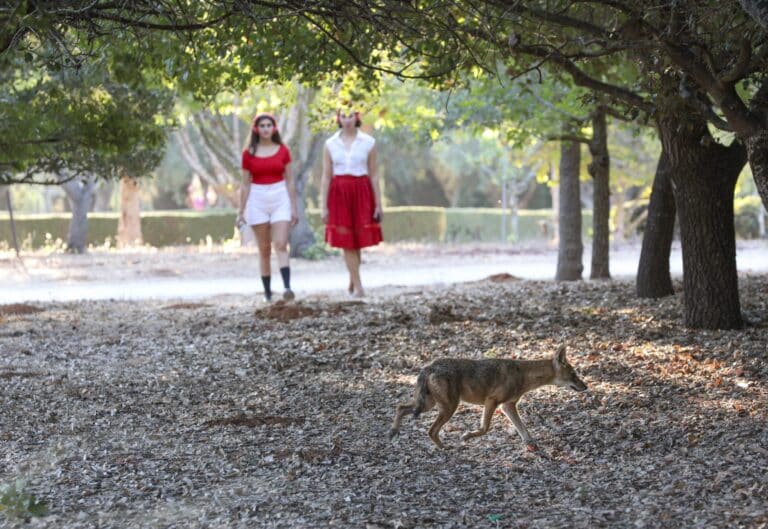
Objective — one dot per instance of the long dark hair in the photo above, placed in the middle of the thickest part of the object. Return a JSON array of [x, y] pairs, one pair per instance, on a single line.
[[253, 138]]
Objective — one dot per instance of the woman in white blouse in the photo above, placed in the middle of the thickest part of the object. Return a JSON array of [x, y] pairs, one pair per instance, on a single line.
[[350, 194]]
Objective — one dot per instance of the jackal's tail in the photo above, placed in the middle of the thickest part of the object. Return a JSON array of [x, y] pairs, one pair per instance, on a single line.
[[422, 391]]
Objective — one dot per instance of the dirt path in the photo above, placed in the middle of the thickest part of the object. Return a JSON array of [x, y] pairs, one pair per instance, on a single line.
[[194, 273]]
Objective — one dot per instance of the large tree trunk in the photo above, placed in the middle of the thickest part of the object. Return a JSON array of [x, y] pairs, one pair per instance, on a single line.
[[129, 224], [704, 175], [600, 169], [570, 247], [653, 277], [80, 194]]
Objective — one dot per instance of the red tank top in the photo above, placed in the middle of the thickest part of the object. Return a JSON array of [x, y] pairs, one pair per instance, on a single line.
[[269, 169]]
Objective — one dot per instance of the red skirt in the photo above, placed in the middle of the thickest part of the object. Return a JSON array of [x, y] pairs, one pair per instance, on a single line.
[[351, 205]]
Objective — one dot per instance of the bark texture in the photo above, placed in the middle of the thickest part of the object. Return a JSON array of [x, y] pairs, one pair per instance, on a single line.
[[599, 169], [129, 223], [80, 195], [703, 175], [570, 246], [653, 277]]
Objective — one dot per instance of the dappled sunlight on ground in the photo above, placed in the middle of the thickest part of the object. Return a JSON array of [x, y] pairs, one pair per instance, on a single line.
[[123, 411]]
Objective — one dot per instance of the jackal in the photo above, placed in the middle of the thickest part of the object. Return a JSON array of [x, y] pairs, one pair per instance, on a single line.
[[490, 382]]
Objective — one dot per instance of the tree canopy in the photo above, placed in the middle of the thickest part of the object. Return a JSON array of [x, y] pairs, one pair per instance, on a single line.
[[103, 118]]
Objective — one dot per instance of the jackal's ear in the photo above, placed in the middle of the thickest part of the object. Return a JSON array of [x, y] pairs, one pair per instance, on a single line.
[[559, 357]]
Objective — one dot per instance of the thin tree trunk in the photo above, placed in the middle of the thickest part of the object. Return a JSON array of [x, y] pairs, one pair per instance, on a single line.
[[302, 236], [6, 190], [80, 194], [757, 153], [129, 224], [305, 148], [620, 231], [570, 247], [102, 199], [653, 277], [600, 169], [704, 176], [554, 193]]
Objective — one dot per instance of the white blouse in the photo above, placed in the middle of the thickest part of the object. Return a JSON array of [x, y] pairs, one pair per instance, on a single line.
[[352, 161]]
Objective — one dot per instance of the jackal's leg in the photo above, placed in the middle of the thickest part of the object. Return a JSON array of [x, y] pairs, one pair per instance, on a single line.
[[510, 410], [446, 412], [401, 410], [490, 407]]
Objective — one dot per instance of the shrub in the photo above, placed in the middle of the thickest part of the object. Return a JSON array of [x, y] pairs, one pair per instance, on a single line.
[[414, 223], [16, 503], [745, 217]]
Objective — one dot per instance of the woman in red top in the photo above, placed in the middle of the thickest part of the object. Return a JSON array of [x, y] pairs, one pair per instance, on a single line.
[[268, 198]]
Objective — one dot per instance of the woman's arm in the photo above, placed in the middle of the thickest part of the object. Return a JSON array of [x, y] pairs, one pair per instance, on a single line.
[[245, 190], [325, 183], [291, 185], [374, 176]]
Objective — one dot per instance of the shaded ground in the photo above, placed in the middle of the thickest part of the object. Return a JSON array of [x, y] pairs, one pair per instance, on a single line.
[[229, 414]]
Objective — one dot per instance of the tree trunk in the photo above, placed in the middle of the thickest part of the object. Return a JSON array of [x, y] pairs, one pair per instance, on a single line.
[[757, 154], [653, 277], [129, 224], [600, 169], [302, 236], [102, 199], [80, 194], [757, 142], [620, 230], [758, 10], [5, 191], [554, 193], [703, 175], [306, 147], [570, 247]]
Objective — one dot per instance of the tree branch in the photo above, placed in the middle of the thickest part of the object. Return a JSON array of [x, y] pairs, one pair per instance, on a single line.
[[352, 55], [568, 137], [517, 7], [741, 121], [739, 68], [162, 27], [582, 79]]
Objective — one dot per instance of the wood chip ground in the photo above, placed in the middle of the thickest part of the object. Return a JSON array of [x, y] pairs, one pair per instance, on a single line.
[[230, 413]]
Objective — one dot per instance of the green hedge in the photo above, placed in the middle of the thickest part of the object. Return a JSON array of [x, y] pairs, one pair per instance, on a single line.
[[167, 228], [408, 223], [159, 228], [424, 223], [484, 224]]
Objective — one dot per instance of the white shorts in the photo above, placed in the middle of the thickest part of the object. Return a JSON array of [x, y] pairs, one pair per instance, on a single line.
[[268, 203]]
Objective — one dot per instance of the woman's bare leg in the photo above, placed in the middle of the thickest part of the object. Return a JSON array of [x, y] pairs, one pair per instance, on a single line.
[[264, 243], [280, 232], [352, 259]]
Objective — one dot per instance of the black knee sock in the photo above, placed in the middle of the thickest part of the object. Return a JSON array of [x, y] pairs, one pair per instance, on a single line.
[[286, 273], [265, 280]]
